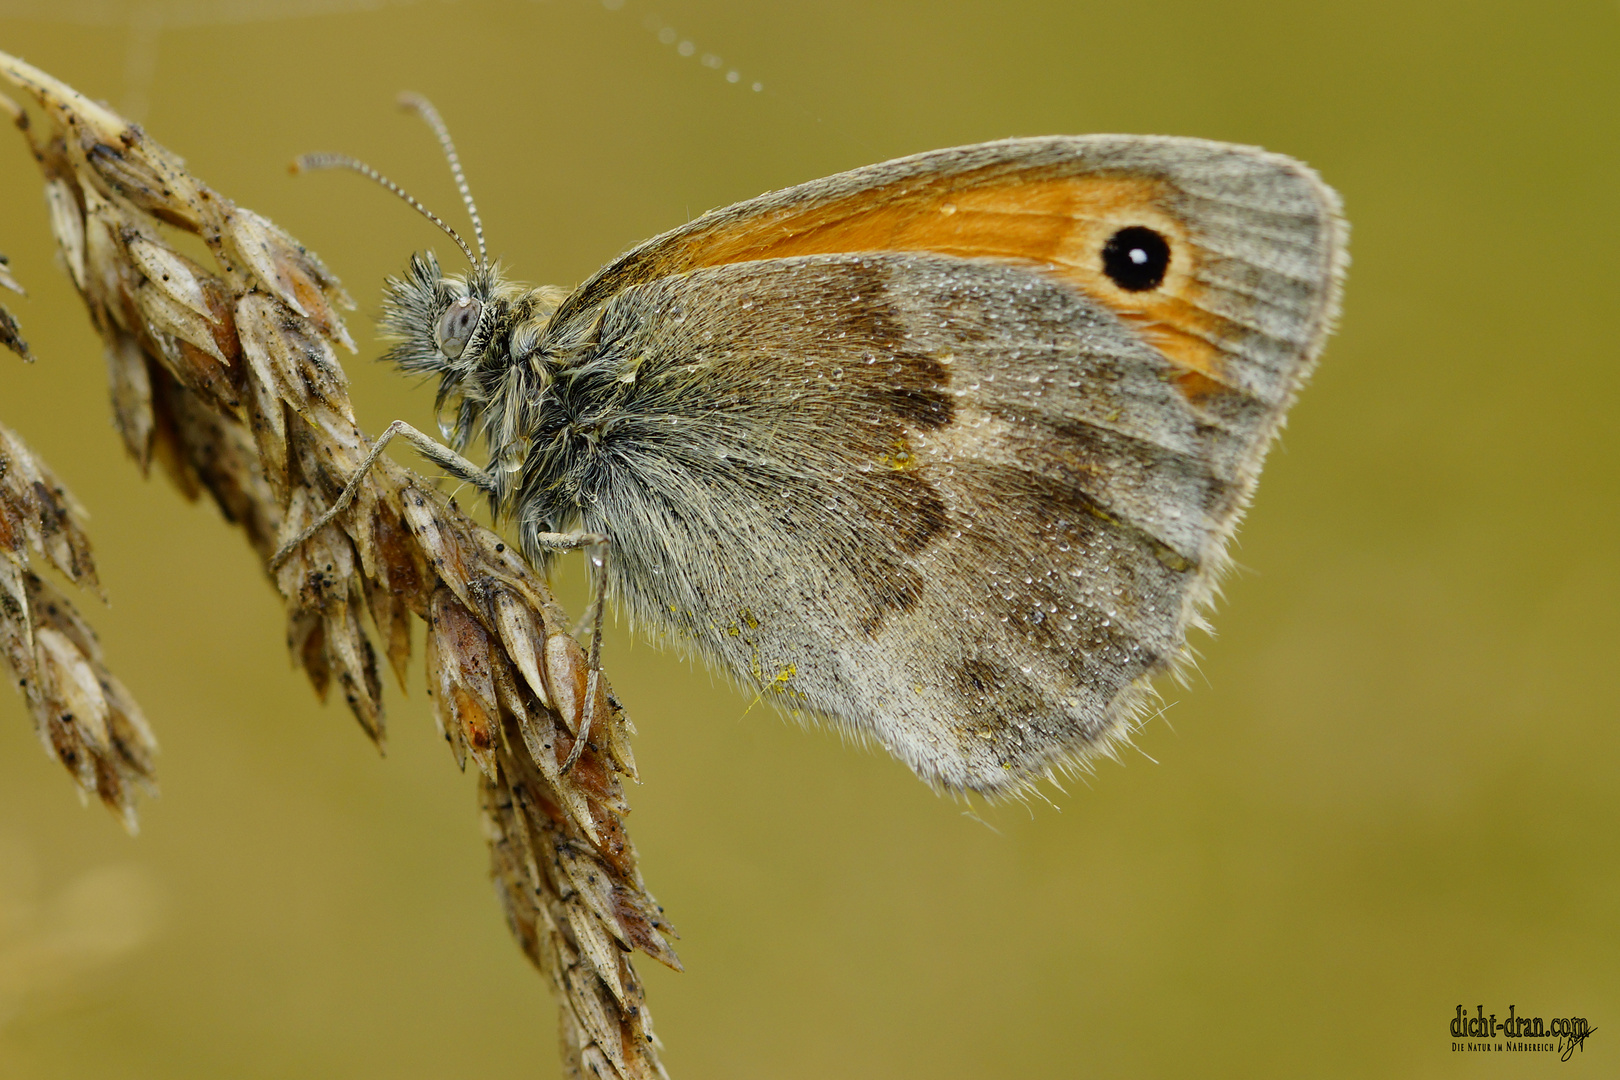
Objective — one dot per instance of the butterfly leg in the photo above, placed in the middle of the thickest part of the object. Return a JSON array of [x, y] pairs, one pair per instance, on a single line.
[[596, 549], [428, 447]]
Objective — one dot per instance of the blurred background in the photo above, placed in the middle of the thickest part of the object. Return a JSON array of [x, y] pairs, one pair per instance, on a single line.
[[1390, 790]]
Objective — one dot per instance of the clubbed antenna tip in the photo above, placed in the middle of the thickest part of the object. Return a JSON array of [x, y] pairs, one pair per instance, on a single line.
[[422, 107]]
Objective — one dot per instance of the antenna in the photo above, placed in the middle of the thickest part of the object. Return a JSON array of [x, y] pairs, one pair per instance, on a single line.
[[315, 162], [422, 107]]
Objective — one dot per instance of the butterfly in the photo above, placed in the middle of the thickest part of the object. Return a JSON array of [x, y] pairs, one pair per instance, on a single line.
[[946, 450]]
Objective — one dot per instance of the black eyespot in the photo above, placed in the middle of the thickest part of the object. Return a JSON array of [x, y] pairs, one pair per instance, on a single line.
[[1136, 258], [456, 326]]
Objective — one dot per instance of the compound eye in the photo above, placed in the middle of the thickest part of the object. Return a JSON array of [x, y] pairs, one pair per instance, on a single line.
[[456, 326]]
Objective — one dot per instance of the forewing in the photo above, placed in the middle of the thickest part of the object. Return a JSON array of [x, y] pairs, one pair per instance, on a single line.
[[1257, 239], [894, 448]]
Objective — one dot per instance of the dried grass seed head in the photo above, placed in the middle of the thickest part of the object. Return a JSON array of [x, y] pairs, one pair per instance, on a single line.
[[262, 421]]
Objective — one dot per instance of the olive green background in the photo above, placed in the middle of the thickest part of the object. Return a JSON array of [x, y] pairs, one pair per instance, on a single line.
[[1390, 789]]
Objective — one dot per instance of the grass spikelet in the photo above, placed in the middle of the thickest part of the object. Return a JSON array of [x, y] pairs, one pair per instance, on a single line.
[[82, 713]]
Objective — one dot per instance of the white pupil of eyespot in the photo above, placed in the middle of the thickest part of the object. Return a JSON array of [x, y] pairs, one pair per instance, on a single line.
[[1138, 256], [456, 326]]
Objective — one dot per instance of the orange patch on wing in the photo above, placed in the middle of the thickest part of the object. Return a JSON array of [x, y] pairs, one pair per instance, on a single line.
[[1061, 221], [1197, 387]]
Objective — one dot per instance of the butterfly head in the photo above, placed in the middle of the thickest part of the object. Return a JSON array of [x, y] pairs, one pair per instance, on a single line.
[[476, 332], [479, 335]]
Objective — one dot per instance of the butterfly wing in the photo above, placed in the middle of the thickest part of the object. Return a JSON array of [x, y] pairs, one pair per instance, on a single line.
[[900, 449]]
